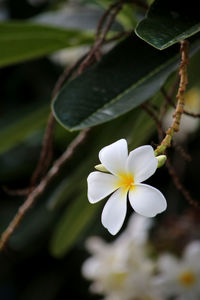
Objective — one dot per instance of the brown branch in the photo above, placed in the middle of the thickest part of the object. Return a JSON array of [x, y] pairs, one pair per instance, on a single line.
[[170, 167], [42, 186], [182, 152], [47, 147], [46, 153], [17, 192], [103, 19], [166, 142], [147, 107], [100, 40]]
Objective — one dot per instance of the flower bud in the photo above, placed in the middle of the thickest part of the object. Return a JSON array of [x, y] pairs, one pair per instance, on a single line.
[[101, 168], [161, 160]]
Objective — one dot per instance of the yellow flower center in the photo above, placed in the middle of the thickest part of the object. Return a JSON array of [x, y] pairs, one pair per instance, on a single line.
[[126, 181], [187, 278], [117, 280]]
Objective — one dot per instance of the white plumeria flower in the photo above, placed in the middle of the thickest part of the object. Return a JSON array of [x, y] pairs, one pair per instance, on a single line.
[[127, 173], [121, 270], [180, 278]]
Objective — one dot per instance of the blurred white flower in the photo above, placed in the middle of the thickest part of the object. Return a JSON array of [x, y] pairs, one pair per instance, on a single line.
[[127, 173], [180, 278], [188, 124], [122, 270]]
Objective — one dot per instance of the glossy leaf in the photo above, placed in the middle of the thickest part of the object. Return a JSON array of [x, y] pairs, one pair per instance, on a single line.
[[125, 77], [168, 22], [20, 41]]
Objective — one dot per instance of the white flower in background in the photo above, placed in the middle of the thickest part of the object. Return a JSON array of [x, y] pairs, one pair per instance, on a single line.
[[188, 124], [121, 270], [127, 173], [180, 278]]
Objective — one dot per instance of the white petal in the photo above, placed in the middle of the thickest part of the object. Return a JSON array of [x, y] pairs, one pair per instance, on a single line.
[[114, 211], [146, 200], [95, 245], [100, 185], [138, 228], [90, 268], [142, 163], [114, 156], [168, 264], [192, 252]]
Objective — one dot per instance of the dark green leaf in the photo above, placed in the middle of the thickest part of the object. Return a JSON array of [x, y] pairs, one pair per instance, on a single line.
[[168, 22], [127, 76], [21, 128], [20, 41]]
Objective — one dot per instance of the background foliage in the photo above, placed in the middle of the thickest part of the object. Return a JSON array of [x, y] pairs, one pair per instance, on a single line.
[[44, 256]]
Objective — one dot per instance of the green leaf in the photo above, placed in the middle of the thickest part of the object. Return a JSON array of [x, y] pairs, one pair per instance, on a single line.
[[20, 41], [168, 22], [72, 223], [125, 77], [22, 127]]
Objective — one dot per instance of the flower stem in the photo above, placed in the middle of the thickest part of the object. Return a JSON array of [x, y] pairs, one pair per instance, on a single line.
[[166, 142]]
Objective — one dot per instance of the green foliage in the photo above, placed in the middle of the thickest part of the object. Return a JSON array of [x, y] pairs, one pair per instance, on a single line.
[[47, 249], [71, 225], [20, 41], [24, 125], [125, 77], [168, 22]]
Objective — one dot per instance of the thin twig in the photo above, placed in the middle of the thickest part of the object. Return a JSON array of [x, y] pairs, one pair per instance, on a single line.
[[179, 186], [182, 152], [166, 142], [103, 19], [46, 153], [47, 147], [42, 185], [170, 167], [16, 192], [39, 189], [100, 40], [153, 115]]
